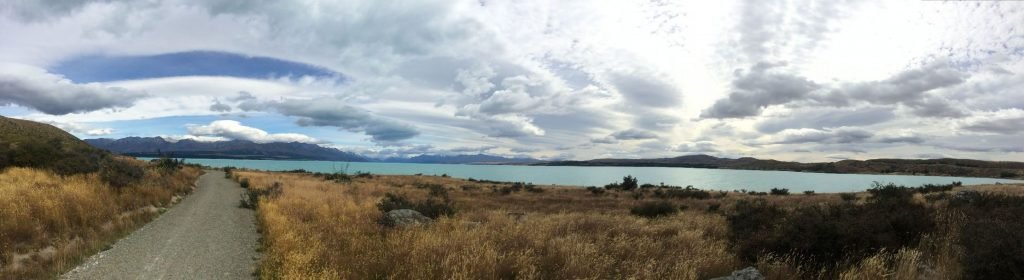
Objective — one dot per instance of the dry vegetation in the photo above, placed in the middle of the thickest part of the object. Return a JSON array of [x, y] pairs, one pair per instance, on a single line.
[[317, 228], [49, 223]]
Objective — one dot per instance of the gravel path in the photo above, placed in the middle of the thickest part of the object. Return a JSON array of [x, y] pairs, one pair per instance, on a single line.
[[206, 236]]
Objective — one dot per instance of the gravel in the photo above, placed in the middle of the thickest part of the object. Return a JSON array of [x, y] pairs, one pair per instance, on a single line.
[[205, 236]]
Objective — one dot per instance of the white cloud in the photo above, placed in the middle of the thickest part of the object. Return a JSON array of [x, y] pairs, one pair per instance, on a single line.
[[229, 129], [52, 94], [548, 75]]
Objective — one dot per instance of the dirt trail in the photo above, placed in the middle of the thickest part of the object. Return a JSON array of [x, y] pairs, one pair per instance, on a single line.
[[206, 236]]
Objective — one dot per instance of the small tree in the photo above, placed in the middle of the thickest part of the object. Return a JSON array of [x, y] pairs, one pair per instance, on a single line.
[[629, 183]]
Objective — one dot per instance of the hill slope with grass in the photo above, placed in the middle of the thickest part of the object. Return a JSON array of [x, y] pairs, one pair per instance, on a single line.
[[934, 167], [62, 200], [38, 145]]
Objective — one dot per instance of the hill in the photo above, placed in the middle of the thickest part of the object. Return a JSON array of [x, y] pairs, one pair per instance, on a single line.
[[934, 167], [462, 159], [32, 144], [233, 149]]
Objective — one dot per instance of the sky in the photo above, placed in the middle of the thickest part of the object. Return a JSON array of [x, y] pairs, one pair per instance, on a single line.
[[789, 80]]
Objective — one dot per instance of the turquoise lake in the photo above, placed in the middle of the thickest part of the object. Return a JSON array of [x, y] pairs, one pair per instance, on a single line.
[[716, 179]]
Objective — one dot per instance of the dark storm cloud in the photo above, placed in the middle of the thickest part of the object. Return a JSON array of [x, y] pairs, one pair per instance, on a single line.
[[834, 136], [52, 94], [909, 86], [758, 88], [334, 113], [828, 118], [1000, 125], [634, 134]]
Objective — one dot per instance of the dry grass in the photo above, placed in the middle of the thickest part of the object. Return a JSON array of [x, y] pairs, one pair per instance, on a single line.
[[320, 229], [48, 223]]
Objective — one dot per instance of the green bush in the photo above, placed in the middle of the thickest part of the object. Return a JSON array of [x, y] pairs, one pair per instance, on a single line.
[[848, 196], [775, 191], [168, 165], [687, 192], [992, 236], [430, 207], [824, 235], [629, 183], [120, 173], [808, 192], [251, 197], [244, 183], [654, 209]]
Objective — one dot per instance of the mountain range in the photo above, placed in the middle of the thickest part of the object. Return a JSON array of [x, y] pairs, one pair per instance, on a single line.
[[232, 149], [240, 149]]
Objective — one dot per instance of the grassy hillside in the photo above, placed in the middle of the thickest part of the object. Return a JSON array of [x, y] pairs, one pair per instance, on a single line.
[[62, 200], [329, 227], [933, 167], [31, 144]]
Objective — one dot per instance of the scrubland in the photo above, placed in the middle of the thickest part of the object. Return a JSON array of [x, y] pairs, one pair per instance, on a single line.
[[50, 222], [327, 227]]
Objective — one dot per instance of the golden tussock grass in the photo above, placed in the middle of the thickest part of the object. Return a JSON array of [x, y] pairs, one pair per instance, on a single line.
[[48, 223], [317, 229]]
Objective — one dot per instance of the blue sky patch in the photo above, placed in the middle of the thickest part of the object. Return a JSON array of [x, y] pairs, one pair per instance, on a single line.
[[99, 68]]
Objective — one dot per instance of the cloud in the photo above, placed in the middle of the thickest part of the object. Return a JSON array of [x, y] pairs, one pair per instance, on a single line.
[[699, 147], [757, 88], [819, 118], [52, 94], [842, 135], [334, 113], [229, 129], [79, 128], [633, 134], [913, 88], [219, 107], [646, 89], [1000, 122]]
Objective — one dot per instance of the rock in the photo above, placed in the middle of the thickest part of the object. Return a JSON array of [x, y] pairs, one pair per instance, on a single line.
[[404, 217], [749, 273]]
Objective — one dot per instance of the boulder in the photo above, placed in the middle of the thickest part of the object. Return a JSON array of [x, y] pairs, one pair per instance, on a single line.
[[404, 217], [749, 273]]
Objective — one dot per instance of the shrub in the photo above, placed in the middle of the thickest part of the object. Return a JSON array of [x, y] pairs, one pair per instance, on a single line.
[[244, 183], [364, 175], [227, 171], [825, 235], [775, 191], [629, 183], [687, 192], [713, 207], [120, 173], [251, 197], [595, 190], [168, 165], [653, 209], [437, 190], [430, 207], [848, 196], [1007, 174], [992, 236], [808, 192], [638, 195]]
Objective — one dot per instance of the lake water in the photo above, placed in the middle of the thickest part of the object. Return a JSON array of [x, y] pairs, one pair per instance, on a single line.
[[718, 179]]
